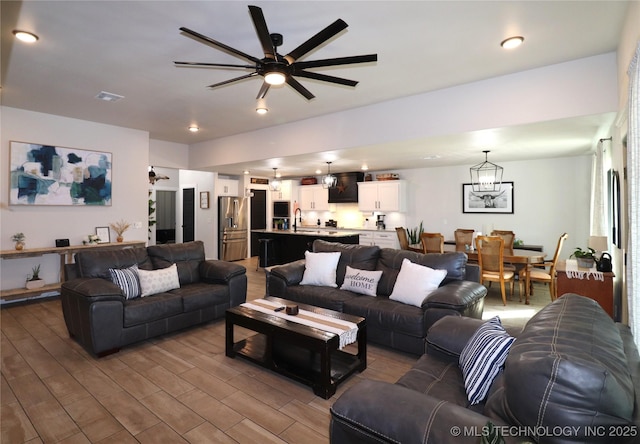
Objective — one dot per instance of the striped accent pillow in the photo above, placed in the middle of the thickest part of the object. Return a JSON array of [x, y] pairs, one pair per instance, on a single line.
[[127, 279], [482, 359]]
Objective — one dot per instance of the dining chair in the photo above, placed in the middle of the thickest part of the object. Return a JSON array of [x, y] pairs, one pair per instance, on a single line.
[[490, 259], [463, 237], [509, 237], [432, 242], [539, 272], [404, 241]]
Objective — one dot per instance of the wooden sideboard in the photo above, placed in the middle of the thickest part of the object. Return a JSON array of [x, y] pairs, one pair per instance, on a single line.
[[590, 286], [66, 257]]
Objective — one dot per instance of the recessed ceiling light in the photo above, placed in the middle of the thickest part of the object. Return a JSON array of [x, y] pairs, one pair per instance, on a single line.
[[108, 97], [25, 36], [364, 167], [262, 110], [318, 171], [194, 128], [512, 42], [431, 157], [246, 171]]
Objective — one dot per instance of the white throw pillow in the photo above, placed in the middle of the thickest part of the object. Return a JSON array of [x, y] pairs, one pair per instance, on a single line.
[[320, 269], [483, 357], [415, 282], [361, 281], [158, 281]]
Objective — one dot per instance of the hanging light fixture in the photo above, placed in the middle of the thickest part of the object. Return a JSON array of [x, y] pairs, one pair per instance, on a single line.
[[275, 183], [329, 181], [486, 177]]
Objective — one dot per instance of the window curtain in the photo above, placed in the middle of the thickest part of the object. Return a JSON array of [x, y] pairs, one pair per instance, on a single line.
[[598, 209], [633, 178]]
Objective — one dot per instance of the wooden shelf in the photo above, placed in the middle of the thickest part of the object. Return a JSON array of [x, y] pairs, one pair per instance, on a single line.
[[66, 256]]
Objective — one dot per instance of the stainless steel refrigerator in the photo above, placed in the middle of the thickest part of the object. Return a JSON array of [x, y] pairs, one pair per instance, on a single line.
[[233, 228]]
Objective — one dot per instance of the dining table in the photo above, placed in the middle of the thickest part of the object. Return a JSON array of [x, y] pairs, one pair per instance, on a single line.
[[511, 256]]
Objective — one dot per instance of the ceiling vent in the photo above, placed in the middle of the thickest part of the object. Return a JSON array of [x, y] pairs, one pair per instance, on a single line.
[[108, 97]]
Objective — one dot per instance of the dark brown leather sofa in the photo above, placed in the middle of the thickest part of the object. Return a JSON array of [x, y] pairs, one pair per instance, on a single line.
[[390, 323], [102, 320], [572, 376]]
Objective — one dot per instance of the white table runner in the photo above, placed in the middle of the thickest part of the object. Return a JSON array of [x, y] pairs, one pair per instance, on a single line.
[[347, 331], [573, 272]]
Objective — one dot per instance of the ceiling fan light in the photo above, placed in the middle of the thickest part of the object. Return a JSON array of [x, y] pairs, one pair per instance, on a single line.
[[512, 42], [262, 110], [194, 128], [275, 78], [25, 36]]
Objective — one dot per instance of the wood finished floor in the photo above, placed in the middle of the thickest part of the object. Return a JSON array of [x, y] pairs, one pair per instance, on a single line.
[[179, 388]]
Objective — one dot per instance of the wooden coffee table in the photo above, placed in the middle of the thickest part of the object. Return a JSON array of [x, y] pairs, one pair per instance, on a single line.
[[306, 354]]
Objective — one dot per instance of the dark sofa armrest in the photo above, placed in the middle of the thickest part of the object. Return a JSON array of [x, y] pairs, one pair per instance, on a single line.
[[280, 277], [447, 337], [375, 411], [92, 289], [472, 272], [220, 272], [456, 295]]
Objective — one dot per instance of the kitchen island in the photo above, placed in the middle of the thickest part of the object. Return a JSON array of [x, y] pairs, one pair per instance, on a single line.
[[288, 245]]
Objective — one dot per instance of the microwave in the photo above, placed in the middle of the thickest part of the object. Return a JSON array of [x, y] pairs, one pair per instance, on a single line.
[[281, 209]]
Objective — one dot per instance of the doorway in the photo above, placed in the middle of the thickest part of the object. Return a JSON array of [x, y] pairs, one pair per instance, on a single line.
[[165, 217], [188, 214], [258, 217]]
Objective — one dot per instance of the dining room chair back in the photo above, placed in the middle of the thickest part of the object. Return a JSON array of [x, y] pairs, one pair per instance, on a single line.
[[404, 240], [508, 236], [463, 236], [546, 272], [432, 242], [491, 262]]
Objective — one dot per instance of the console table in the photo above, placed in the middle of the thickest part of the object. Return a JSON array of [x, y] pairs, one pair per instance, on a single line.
[[66, 257], [595, 285]]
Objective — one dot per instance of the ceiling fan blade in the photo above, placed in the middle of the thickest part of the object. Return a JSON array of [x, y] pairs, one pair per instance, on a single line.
[[337, 61], [316, 40], [298, 87], [264, 89], [263, 32], [210, 41], [213, 65], [325, 78], [236, 79]]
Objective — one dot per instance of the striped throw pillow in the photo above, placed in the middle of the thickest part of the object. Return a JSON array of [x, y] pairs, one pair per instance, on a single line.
[[483, 357], [127, 279]]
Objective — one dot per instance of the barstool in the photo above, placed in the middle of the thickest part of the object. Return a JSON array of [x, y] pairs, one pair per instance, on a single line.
[[263, 248]]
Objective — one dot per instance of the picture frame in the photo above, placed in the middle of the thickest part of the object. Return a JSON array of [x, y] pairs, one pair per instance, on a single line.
[[55, 175], [500, 202], [104, 234], [204, 199]]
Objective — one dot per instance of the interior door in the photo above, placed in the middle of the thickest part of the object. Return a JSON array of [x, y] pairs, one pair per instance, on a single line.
[[258, 217], [188, 214]]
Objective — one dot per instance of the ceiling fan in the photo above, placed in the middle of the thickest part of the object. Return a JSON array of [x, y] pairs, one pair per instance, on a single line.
[[275, 68]]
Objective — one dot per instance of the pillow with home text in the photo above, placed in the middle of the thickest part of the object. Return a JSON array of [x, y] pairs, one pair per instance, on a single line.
[[361, 281]]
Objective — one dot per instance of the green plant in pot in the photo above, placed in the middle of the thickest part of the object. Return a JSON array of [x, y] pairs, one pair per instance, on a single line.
[[33, 280], [414, 234], [586, 258]]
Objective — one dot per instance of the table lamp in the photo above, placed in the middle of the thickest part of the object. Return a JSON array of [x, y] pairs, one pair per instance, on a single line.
[[599, 243]]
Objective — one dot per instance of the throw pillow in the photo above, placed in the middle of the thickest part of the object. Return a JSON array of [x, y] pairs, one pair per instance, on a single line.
[[320, 269], [483, 357], [415, 282], [158, 281], [127, 280], [361, 281]]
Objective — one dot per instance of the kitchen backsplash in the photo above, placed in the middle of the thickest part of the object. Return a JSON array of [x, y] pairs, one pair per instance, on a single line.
[[349, 216]]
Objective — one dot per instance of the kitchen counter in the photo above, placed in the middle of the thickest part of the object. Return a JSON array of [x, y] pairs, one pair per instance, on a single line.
[[288, 246]]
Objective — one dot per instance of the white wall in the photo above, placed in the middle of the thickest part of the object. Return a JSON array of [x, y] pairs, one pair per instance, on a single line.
[[42, 225], [168, 154]]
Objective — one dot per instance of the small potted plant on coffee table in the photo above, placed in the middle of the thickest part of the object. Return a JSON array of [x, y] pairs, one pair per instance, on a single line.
[[34, 281], [586, 258]]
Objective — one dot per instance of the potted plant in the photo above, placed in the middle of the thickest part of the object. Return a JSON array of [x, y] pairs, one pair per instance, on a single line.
[[586, 258], [415, 234], [19, 239], [34, 281], [120, 227]]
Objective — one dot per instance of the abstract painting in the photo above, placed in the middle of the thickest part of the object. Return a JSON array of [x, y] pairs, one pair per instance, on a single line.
[[53, 175]]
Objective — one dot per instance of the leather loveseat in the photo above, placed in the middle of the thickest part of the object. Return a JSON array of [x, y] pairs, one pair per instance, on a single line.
[[572, 375], [101, 318], [389, 322]]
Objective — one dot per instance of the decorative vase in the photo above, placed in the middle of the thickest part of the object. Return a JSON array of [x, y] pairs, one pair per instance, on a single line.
[[585, 262], [120, 239], [19, 246], [35, 284]]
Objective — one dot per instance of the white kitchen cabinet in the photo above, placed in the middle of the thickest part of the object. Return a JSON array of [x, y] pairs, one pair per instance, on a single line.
[[366, 238], [227, 187], [386, 239], [284, 193], [314, 198], [387, 195]]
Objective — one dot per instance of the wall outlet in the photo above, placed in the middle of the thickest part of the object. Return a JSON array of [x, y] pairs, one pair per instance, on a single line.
[[137, 225]]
